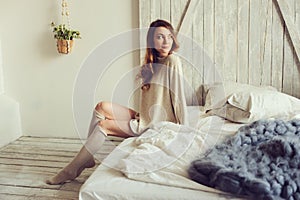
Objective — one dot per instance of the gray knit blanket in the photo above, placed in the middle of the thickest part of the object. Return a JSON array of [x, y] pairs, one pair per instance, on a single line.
[[261, 161]]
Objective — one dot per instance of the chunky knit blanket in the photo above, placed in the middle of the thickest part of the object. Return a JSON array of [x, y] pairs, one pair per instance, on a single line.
[[261, 161]]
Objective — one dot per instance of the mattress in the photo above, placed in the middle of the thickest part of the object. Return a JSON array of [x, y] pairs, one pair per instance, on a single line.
[[107, 182]]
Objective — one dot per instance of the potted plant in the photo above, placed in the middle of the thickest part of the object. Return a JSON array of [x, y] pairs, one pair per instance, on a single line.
[[64, 36]]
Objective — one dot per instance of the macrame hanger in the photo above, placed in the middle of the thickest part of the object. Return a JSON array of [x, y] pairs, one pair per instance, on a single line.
[[65, 13]]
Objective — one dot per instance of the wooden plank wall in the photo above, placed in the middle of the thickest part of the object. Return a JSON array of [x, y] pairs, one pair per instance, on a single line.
[[247, 40]]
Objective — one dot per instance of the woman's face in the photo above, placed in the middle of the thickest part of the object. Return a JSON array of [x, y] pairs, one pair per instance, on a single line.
[[163, 41]]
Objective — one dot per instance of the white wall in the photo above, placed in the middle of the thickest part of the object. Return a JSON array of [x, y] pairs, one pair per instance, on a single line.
[[10, 123], [42, 80], [1, 72]]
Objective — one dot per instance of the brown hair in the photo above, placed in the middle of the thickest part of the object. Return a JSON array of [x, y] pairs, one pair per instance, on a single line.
[[151, 54]]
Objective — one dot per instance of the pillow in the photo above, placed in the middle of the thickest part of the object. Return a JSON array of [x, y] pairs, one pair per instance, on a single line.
[[251, 105], [231, 113], [218, 93]]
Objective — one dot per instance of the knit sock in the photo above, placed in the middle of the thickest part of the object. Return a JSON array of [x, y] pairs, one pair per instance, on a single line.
[[96, 118], [84, 159]]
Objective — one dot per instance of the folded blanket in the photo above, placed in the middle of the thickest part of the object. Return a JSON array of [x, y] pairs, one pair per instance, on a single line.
[[262, 160]]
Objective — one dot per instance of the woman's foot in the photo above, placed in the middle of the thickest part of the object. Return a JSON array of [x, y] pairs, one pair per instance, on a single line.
[[68, 174], [90, 164]]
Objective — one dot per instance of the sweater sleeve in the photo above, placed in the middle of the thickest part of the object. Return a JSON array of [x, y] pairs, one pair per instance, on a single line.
[[176, 85]]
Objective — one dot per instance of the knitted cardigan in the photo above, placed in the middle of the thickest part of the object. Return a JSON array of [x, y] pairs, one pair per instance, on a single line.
[[165, 99]]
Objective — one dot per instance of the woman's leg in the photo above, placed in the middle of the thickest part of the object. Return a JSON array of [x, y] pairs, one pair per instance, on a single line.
[[115, 111], [110, 113], [117, 118], [119, 128], [84, 159], [96, 117]]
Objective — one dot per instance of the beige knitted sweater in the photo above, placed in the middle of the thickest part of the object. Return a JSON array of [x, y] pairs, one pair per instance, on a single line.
[[164, 100]]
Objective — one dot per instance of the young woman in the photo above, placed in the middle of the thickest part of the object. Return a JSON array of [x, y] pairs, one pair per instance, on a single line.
[[162, 99]]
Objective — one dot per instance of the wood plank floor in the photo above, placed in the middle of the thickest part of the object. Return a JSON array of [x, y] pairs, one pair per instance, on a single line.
[[26, 163]]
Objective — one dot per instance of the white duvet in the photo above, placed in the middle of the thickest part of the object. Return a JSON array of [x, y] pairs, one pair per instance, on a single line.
[[163, 153]]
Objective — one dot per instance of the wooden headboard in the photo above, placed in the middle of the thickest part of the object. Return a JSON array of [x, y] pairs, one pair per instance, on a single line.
[[247, 41]]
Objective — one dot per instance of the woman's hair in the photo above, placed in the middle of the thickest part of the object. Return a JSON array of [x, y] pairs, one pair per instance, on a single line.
[[151, 54]]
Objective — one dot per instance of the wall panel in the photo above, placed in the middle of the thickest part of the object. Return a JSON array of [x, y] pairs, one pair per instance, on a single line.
[[246, 40]]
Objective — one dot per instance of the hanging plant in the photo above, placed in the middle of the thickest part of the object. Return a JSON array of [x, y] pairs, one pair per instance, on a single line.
[[63, 33]]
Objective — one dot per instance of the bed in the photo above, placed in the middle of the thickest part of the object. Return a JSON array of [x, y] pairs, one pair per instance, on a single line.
[[156, 164]]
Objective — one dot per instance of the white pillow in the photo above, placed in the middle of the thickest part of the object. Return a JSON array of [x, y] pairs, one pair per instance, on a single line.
[[218, 93], [231, 113], [248, 106]]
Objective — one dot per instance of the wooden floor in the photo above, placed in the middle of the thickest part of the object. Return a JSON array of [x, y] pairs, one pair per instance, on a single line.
[[27, 162]]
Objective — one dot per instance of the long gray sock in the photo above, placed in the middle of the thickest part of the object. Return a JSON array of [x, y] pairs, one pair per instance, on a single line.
[[95, 140], [96, 118]]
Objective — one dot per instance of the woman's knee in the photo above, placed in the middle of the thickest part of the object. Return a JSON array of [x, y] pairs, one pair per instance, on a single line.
[[102, 106]]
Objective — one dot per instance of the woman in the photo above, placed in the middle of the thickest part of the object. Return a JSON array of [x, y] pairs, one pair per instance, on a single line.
[[162, 99]]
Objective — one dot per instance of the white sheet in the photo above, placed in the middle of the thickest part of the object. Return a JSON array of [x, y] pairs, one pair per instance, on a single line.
[[168, 178]]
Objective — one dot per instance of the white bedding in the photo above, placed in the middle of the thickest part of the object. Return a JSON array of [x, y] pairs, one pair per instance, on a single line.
[[142, 168]]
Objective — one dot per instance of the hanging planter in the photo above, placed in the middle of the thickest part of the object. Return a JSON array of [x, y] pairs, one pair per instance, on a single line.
[[63, 33], [64, 46], [65, 38]]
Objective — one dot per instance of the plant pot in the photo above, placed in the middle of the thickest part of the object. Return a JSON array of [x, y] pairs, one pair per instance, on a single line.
[[64, 46]]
